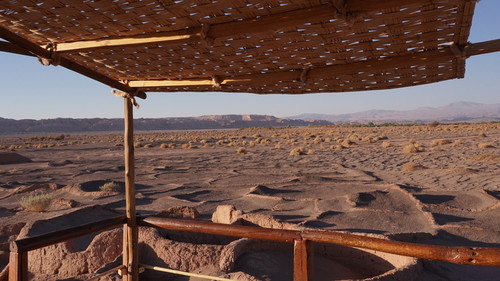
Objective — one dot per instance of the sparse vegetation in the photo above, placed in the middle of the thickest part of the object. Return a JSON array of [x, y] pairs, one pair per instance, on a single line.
[[409, 167], [37, 201], [298, 151], [111, 187], [485, 145], [440, 142]]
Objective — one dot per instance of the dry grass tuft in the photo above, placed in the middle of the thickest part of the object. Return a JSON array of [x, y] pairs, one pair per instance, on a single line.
[[440, 142], [413, 148], [241, 150], [488, 157], [386, 144], [336, 146], [485, 145], [188, 145], [348, 143], [38, 201], [457, 143], [409, 167], [298, 151], [111, 187]]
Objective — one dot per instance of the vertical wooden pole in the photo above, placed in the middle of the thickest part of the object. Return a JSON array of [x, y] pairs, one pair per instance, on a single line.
[[18, 265], [302, 260], [130, 250]]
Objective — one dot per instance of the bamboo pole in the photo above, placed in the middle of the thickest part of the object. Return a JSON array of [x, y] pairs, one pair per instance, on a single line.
[[4, 275], [302, 260], [18, 266], [130, 250]]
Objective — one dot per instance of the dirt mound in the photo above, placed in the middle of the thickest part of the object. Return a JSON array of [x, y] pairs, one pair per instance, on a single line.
[[264, 190], [13, 158]]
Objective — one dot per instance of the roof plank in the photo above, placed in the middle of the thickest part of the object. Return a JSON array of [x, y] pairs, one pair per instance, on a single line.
[[272, 22], [315, 73]]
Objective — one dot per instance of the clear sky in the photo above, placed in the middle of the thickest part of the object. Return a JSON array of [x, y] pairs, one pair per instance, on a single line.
[[32, 91]]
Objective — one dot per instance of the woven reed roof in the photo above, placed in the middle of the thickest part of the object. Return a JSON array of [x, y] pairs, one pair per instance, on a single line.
[[272, 46]]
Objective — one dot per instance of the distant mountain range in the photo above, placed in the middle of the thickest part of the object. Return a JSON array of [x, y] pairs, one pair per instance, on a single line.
[[455, 112], [70, 125]]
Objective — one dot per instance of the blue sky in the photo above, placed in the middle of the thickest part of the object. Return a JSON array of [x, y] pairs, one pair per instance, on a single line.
[[32, 91]]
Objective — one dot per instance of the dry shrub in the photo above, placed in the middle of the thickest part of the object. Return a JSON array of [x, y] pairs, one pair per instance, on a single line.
[[111, 187], [434, 124], [297, 151], [485, 145], [457, 143], [386, 144], [310, 152], [336, 146], [241, 150], [318, 139], [440, 142], [148, 145], [488, 157], [277, 146], [163, 145], [37, 201], [482, 135], [348, 143], [138, 144], [408, 167], [413, 148], [188, 145]]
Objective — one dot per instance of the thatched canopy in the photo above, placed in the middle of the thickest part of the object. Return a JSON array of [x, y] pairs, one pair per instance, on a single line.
[[274, 46]]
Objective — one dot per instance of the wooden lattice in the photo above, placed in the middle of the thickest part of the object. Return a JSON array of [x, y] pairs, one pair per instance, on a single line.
[[272, 46]]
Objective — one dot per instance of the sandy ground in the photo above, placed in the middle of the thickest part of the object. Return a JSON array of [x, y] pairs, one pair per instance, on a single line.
[[424, 184]]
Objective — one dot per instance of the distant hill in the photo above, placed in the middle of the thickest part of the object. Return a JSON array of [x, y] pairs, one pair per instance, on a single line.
[[69, 125], [455, 112]]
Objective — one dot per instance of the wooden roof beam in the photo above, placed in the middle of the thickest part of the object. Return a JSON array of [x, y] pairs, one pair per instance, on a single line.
[[333, 70], [14, 49], [325, 72], [177, 36], [41, 52], [482, 48], [338, 10]]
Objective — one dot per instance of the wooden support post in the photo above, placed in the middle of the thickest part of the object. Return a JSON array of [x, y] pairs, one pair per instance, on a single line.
[[131, 237], [302, 260], [18, 265]]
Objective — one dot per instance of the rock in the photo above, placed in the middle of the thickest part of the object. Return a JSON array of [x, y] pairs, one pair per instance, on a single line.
[[227, 214], [181, 212]]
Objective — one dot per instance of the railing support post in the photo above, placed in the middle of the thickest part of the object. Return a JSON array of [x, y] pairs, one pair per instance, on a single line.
[[18, 264], [302, 260], [130, 249]]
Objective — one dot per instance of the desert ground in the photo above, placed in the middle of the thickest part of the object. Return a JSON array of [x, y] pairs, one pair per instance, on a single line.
[[435, 184]]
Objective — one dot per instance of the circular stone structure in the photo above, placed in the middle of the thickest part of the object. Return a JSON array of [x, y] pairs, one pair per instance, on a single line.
[[273, 261]]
